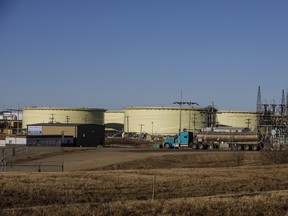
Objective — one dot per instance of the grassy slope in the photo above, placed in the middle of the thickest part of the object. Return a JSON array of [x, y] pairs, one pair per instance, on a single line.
[[199, 160], [200, 184]]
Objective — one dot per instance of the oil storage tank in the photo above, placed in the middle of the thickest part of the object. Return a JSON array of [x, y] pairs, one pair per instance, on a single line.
[[245, 119], [114, 119], [35, 115], [163, 120]]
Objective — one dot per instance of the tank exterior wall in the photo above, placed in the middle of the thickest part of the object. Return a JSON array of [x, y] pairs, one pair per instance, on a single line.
[[162, 120], [62, 115], [237, 119], [114, 117], [114, 120]]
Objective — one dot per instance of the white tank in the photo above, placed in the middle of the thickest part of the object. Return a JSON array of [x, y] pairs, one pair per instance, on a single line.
[[114, 119], [237, 119], [114, 116], [162, 120], [34, 115]]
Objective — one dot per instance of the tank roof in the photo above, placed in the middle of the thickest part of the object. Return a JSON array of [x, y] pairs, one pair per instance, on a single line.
[[61, 124], [114, 111], [236, 111], [163, 108], [64, 108]]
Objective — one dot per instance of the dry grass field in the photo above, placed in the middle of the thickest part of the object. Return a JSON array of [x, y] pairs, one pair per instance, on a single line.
[[185, 184]]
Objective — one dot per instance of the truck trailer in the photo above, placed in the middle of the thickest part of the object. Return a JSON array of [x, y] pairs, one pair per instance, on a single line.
[[215, 140]]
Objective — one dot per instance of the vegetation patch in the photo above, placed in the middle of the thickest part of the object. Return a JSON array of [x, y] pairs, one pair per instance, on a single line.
[[238, 190]]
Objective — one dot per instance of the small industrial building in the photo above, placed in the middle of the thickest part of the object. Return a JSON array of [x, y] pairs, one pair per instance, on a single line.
[[72, 135]]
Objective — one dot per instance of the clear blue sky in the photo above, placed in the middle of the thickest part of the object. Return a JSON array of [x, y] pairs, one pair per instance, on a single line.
[[117, 53]]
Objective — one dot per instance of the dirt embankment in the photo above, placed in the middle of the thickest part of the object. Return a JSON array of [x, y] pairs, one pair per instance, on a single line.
[[79, 159]]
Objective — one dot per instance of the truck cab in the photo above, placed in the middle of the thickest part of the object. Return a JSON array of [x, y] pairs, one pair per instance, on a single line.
[[182, 139]]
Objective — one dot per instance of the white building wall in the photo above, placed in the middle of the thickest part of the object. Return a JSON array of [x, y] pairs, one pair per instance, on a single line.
[[16, 140]]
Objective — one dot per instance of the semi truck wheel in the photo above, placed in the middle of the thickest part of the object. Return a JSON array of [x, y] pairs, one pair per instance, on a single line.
[[166, 145], [255, 148], [201, 146], [239, 147], [194, 146], [247, 147], [211, 147]]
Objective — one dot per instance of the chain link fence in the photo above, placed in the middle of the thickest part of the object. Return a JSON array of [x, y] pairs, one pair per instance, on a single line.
[[13, 158], [36, 167]]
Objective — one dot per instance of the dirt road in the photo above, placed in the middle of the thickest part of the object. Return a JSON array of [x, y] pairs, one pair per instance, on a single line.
[[88, 159], [81, 159]]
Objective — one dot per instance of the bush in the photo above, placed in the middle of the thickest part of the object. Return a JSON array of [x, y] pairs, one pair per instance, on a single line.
[[274, 156], [125, 141]]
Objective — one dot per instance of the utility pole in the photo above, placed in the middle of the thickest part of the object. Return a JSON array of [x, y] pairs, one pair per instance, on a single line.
[[67, 120], [127, 122], [18, 121], [52, 118], [141, 125], [282, 105], [194, 122], [259, 101], [248, 122], [180, 103], [190, 103]]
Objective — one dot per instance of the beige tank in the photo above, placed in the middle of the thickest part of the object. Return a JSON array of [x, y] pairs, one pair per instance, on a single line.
[[36, 115], [114, 116], [237, 119], [229, 137], [114, 119], [162, 120]]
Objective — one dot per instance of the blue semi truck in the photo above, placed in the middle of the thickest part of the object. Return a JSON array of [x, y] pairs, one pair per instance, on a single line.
[[216, 140], [183, 139]]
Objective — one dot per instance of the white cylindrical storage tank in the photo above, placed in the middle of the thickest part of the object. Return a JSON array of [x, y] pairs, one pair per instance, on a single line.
[[237, 119], [114, 119], [162, 120], [34, 115]]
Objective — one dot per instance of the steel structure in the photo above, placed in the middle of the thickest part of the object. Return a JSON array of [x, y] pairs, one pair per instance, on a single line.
[[273, 118]]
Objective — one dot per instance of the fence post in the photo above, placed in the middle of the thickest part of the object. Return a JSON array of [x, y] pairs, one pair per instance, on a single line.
[[153, 189], [63, 166], [3, 159], [39, 167]]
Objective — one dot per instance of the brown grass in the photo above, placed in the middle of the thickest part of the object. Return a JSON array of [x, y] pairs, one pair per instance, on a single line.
[[122, 142], [243, 190], [196, 160]]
